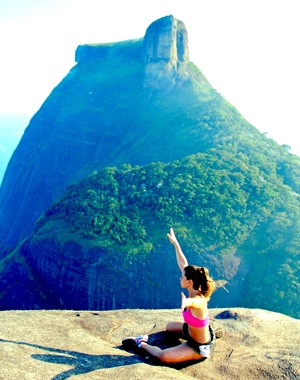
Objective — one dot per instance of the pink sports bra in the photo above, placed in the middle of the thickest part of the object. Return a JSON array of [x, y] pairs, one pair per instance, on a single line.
[[193, 321]]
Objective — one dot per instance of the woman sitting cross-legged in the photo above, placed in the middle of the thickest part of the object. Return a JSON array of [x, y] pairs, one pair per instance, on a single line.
[[195, 330]]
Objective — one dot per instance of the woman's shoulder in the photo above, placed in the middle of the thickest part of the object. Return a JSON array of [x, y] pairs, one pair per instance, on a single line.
[[200, 301]]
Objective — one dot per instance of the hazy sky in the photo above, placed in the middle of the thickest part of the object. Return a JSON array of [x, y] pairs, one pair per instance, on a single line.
[[247, 49]]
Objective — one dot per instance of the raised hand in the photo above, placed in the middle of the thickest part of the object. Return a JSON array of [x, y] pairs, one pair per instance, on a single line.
[[172, 237], [181, 259]]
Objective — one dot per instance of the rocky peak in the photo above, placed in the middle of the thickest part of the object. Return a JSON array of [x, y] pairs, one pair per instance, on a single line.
[[165, 51], [166, 39]]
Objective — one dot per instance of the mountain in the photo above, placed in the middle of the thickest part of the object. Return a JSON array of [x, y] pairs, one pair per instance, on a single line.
[[108, 110], [134, 102], [134, 141]]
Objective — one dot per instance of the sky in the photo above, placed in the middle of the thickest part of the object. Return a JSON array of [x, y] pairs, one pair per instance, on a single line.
[[247, 49]]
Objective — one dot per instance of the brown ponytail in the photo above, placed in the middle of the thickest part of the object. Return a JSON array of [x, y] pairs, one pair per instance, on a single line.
[[201, 280]]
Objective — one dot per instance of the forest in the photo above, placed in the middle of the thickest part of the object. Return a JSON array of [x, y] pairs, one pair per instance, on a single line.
[[215, 201]]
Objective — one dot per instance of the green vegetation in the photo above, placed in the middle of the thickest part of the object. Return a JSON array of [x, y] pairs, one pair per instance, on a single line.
[[216, 197]]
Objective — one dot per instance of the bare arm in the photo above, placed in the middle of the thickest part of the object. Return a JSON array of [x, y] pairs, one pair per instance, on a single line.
[[192, 303], [181, 259]]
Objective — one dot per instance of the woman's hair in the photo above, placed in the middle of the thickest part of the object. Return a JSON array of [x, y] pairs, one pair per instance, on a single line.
[[201, 280]]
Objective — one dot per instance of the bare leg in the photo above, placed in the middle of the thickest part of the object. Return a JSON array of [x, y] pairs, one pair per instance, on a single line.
[[175, 327], [176, 354]]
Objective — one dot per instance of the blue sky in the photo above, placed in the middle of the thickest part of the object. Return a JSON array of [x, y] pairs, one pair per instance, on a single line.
[[248, 50]]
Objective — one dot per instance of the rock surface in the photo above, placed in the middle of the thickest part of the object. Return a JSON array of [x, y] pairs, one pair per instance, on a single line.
[[63, 344], [166, 53], [166, 39]]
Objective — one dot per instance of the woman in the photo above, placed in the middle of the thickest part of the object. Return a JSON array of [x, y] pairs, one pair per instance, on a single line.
[[196, 329]]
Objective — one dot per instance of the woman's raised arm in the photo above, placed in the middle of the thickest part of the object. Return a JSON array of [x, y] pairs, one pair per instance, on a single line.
[[181, 259]]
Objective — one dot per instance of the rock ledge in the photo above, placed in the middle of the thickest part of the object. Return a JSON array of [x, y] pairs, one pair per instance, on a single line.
[[62, 344]]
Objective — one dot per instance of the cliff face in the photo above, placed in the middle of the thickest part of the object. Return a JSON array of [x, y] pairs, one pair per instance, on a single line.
[[166, 52], [166, 40], [70, 275]]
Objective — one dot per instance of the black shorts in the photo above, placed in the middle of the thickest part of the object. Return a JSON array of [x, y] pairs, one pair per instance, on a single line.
[[203, 349]]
